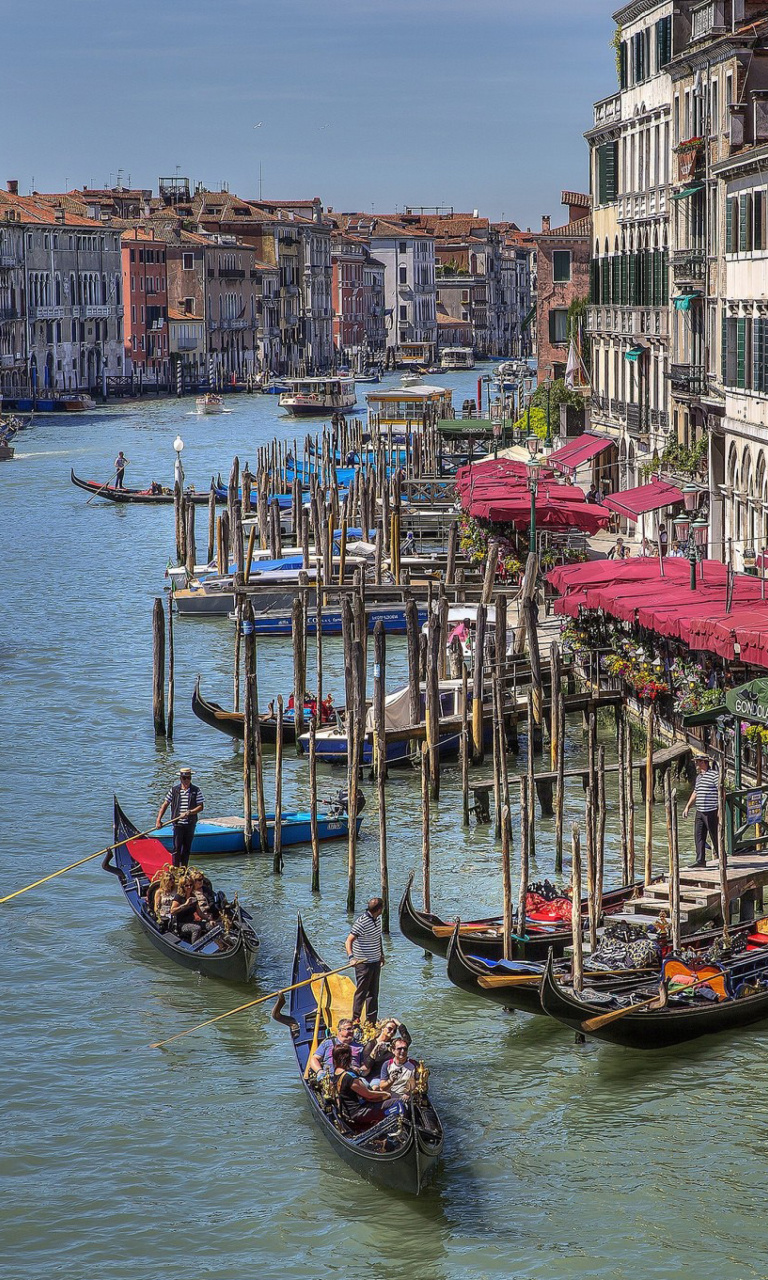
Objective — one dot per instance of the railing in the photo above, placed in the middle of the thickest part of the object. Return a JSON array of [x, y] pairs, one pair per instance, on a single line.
[[608, 110], [630, 322], [688, 379], [234, 324], [49, 313], [11, 260], [97, 313], [688, 264], [187, 344], [710, 19], [641, 204], [9, 313]]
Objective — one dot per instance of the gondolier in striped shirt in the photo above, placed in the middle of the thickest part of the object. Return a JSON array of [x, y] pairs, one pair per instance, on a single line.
[[705, 796], [186, 801], [364, 947]]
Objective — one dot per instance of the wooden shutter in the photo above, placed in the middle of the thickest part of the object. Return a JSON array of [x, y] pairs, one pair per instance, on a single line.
[[624, 279], [616, 278], [743, 223], [758, 219], [623, 65], [730, 238], [633, 295], [724, 349], [741, 351], [594, 280]]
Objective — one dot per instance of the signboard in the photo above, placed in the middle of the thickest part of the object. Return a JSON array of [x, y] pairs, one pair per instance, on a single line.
[[749, 701], [754, 806]]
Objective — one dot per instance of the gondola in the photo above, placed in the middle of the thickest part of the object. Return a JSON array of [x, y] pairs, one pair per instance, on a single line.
[[683, 1018], [227, 951], [467, 972], [400, 1152], [484, 937], [231, 722], [146, 496]]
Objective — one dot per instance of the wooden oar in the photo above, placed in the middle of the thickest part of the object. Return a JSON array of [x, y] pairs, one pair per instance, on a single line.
[[140, 835], [250, 1003], [592, 1024], [316, 1033], [101, 490], [492, 980]]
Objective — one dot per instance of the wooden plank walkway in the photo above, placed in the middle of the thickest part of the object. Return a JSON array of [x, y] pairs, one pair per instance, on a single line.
[[747, 878]]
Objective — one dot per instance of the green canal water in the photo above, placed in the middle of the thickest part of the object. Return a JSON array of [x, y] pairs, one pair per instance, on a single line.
[[123, 1162]]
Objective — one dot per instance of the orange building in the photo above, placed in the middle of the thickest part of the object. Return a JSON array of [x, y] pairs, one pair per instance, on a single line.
[[145, 294]]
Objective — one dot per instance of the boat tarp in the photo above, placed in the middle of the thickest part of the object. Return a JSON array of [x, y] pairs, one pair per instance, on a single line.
[[397, 712]]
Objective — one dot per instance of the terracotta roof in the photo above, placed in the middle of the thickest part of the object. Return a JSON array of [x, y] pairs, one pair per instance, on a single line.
[[576, 198], [578, 229], [175, 314], [34, 210]]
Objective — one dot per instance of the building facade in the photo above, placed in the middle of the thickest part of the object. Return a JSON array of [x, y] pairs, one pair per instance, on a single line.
[[145, 307], [563, 256]]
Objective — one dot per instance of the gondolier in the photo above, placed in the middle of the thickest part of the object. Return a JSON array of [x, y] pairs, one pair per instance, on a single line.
[[705, 797], [186, 801], [121, 462], [364, 946]]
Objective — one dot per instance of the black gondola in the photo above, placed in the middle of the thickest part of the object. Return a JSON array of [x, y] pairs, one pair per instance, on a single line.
[[485, 938], [400, 1151], [466, 971], [231, 722], [678, 1021], [146, 496], [227, 951]]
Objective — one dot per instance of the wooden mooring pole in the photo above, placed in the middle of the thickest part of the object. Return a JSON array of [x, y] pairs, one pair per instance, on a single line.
[[158, 668], [277, 837]]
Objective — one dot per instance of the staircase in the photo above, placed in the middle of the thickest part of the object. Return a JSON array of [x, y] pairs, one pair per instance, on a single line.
[[700, 894]]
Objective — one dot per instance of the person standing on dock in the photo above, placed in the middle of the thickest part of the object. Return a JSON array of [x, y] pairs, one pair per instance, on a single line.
[[705, 797], [186, 801], [121, 462], [364, 946]]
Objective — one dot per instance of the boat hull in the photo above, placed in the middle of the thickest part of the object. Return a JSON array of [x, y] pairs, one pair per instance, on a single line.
[[212, 838], [231, 722], [142, 496]]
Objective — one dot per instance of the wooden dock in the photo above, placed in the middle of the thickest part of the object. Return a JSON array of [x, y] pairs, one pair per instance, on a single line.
[[700, 893]]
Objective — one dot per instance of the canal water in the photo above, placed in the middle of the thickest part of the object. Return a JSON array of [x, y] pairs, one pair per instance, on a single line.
[[120, 1161]]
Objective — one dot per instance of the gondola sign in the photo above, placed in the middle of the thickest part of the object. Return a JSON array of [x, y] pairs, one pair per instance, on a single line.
[[754, 806], [749, 701]]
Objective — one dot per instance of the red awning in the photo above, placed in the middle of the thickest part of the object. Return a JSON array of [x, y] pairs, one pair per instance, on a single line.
[[551, 512], [633, 503], [577, 451]]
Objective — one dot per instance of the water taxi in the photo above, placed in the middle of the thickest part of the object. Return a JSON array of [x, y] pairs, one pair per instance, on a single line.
[[319, 395], [457, 358], [405, 408], [209, 403]]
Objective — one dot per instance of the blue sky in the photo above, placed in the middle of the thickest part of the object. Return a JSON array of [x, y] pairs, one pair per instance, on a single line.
[[470, 103]]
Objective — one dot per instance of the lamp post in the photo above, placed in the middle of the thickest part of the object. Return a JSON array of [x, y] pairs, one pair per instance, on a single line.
[[694, 534], [178, 475], [533, 485], [548, 437]]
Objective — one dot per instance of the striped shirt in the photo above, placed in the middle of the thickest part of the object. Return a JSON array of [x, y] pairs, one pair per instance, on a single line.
[[707, 788], [366, 933], [188, 798]]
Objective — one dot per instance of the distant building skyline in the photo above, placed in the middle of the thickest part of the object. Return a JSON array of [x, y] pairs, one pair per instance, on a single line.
[[370, 107]]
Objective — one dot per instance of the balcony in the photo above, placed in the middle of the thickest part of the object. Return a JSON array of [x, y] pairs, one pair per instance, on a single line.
[[9, 313], [608, 110], [187, 344], [97, 313], [234, 324], [628, 322], [231, 273], [688, 379], [641, 204], [688, 266], [8, 260], [713, 18], [638, 420], [46, 313]]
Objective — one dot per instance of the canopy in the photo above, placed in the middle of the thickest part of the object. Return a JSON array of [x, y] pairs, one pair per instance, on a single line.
[[683, 300], [576, 452], [551, 513], [687, 191], [634, 590], [633, 503]]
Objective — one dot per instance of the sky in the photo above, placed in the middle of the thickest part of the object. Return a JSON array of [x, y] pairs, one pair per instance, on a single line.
[[368, 104]]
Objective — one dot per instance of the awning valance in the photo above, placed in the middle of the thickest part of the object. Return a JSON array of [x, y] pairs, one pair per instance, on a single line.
[[575, 452], [634, 353], [633, 503], [683, 301], [528, 318]]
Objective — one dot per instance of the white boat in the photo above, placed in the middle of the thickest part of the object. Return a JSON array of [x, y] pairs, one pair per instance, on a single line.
[[410, 379], [457, 358], [405, 408], [209, 403], [306, 396]]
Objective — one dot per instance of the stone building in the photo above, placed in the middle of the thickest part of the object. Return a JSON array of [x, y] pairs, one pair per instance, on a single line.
[[13, 338], [358, 300]]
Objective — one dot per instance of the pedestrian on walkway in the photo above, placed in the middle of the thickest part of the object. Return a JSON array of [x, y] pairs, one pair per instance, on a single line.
[[705, 797], [363, 945]]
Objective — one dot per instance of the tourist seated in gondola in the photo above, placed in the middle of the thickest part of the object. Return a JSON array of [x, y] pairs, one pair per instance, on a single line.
[[205, 898], [322, 1058], [358, 1102], [185, 913], [155, 487], [162, 894], [379, 1048], [398, 1073]]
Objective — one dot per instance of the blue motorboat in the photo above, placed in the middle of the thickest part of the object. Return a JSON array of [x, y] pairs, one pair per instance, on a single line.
[[279, 622], [221, 837]]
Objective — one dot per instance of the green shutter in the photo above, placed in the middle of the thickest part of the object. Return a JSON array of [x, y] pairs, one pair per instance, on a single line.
[[758, 214], [623, 65], [664, 299], [594, 281], [741, 352], [743, 224], [729, 226], [657, 278], [552, 328], [724, 349], [624, 279], [616, 279], [633, 298]]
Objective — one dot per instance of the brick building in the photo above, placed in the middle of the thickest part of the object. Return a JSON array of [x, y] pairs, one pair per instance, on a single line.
[[145, 294], [563, 276]]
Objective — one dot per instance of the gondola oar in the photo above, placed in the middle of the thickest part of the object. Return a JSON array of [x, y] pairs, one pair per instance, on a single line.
[[140, 835], [250, 1003], [660, 1000], [101, 490]]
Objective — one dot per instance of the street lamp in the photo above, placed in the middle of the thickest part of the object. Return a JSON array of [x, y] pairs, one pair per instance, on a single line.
[[178, 475], [548, 437], [533, 485], [694, 534]]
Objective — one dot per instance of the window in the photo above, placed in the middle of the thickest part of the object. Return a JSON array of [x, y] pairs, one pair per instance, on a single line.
[[561, 266], [758, 214], [187, 261], [403, 275], [607, 172], [403, 313], [133, 255], [141, 284], [663, 42], [402, 247], [133, 314], [558, 324]]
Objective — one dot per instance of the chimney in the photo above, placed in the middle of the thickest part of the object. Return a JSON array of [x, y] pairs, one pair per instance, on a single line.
[[12, 186], [546, 223], [317, 210], [60, 215]]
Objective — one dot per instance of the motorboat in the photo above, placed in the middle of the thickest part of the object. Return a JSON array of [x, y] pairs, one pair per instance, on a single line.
[[457, 358], [209, 403]]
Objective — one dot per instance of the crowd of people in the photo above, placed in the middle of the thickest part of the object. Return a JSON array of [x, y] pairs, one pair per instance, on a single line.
[[182, 899], [370, 1072]]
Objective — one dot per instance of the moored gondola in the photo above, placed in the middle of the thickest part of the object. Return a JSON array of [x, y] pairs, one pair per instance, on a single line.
[[667, 1019], [516, 984], [151, 497], [231, 722], [400, 1151], [227, 951], [485, 937]]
